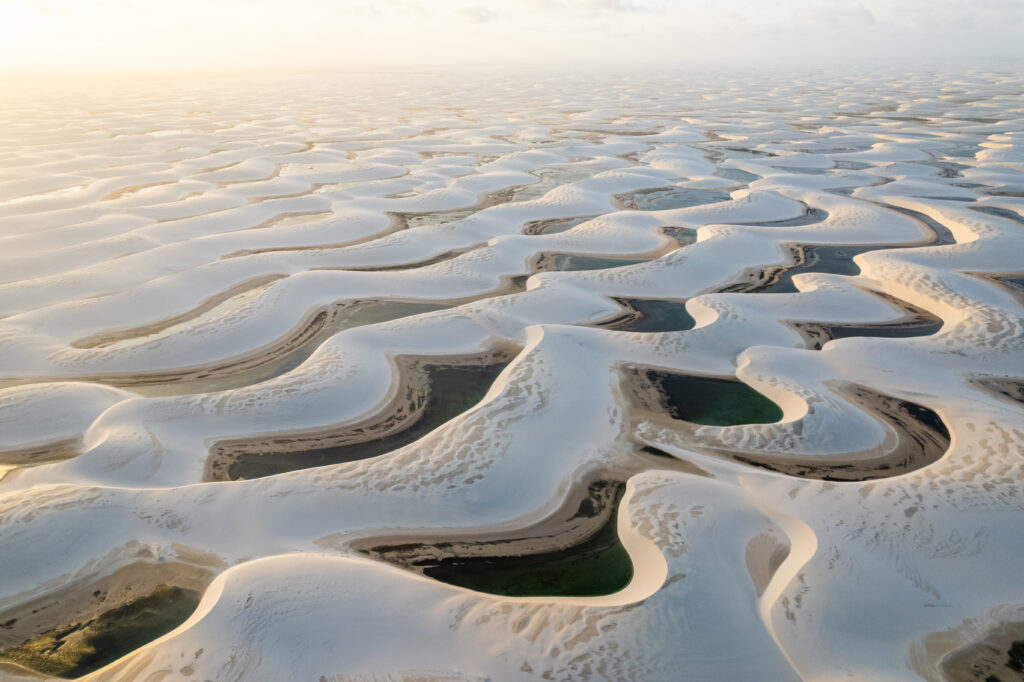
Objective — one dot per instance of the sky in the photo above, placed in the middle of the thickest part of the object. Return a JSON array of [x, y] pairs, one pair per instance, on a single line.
[[68, 37]]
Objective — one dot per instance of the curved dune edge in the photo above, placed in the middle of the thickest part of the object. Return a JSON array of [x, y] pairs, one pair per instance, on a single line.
[[851, 252], [403, 408], [803, 545], [436, 601], [649, 566]]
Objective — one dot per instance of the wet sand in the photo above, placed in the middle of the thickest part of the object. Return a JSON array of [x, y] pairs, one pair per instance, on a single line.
[[587, 559], [433, 394], [428, 508]]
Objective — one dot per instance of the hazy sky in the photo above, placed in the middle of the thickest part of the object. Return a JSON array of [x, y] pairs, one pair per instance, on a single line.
[[69, 36]]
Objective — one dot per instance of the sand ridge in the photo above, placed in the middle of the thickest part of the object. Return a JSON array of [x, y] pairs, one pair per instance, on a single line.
[[193, 270]]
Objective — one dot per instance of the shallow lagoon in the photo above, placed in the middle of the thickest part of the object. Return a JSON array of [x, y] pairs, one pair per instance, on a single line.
[[451, 390]]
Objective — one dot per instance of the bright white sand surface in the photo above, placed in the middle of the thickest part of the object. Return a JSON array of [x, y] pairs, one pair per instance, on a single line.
[[189, 272]]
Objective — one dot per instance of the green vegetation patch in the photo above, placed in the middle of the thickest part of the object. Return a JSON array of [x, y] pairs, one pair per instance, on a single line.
[[80, 648], [597, 566]]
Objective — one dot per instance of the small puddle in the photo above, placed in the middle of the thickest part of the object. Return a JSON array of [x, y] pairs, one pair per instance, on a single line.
[[736, 174], [711, 401], [449, 390], [684, 236], [852, 165], [811, 216], [836, 259], [965, 150], [1000, 213], [942, 198], [947, 169], [803, 171], [554, 225], [671, 198], [846, 191], [415, 220], [921, 439], [743, 153], [549, 262], [287, 356], [833, 260], [819, 334], [653, 315], [589, 561], [413, 265], [550, 178]]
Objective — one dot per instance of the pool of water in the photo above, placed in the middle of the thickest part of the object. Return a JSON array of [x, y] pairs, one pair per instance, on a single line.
[[673, 197], [833, 260], [548, 262], [811, 216], [1000, 213], [712, 401], [737, 175], [917, 326], [451, 390], [595, 565], [554, 225], [655, 315]]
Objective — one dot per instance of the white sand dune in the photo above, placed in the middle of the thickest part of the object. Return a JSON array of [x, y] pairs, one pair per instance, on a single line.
[[195, 271]]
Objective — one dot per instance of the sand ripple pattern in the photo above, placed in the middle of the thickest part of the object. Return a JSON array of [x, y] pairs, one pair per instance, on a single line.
[[191, 271]]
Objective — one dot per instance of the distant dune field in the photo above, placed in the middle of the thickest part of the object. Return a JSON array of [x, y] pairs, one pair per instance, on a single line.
[[415, 376]]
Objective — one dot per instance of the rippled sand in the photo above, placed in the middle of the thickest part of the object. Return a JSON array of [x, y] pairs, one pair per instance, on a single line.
[[721, 377]]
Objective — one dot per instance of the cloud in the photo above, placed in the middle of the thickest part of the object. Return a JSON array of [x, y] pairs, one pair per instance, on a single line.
[[48, 7], [611, 6], [410, 6], [841, 14], [957, 15], [367, 10], [477, 15]]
